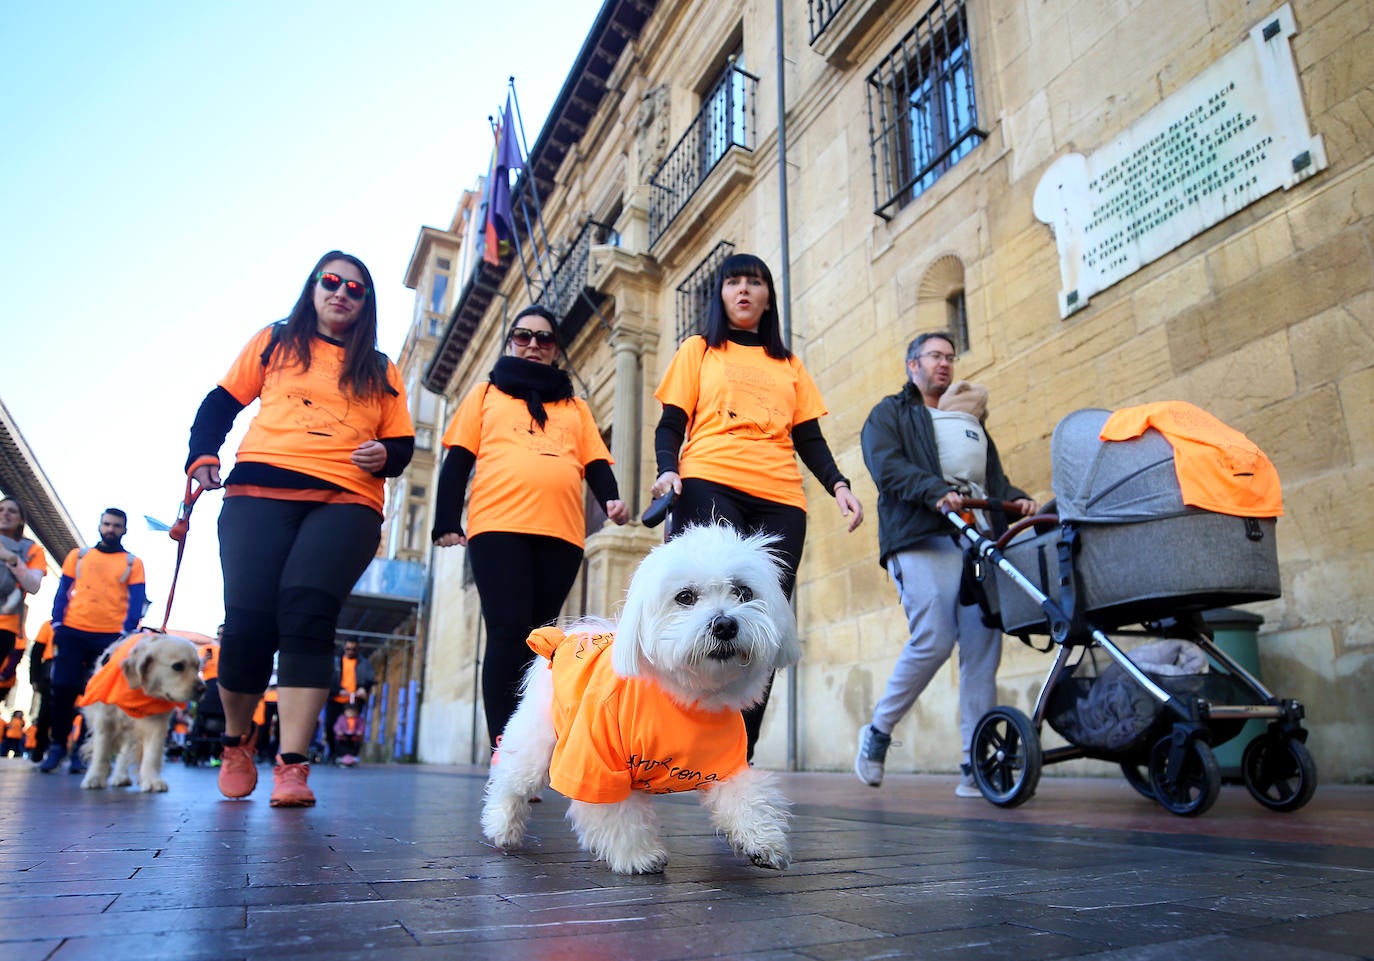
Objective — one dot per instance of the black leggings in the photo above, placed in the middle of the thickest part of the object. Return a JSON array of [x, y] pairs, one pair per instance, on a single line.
[[288, 566], [702, 502], [523, 580]]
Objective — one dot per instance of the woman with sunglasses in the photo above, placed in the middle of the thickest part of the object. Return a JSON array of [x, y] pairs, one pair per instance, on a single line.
[[528, 444], [746, 408], [302, 510]]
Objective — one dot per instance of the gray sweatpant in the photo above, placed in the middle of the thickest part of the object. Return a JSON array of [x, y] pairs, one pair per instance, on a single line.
[[927, 581]]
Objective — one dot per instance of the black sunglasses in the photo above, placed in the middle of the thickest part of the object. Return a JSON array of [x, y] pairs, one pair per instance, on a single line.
[[523, 335], [355, 289]]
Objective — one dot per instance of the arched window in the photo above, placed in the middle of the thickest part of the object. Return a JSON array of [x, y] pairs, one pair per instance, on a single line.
[[940, 300]]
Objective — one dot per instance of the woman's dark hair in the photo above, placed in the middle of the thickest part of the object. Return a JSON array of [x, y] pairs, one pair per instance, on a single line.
[[538, 310], [362, 375], [23, 514], [770, 328]]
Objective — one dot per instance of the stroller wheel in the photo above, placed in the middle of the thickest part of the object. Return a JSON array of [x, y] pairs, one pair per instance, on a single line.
[[1138, 777], [1006, 757], [1197, 784], [1279, 772]]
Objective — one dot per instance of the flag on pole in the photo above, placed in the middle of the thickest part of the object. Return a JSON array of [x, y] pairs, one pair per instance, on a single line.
[[499, 228], [156, 525]]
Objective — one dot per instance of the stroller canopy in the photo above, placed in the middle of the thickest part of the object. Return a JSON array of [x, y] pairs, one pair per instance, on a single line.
[[1137, 478]]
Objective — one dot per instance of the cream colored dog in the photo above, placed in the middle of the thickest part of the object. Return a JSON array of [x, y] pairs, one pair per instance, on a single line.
[[138, 681]]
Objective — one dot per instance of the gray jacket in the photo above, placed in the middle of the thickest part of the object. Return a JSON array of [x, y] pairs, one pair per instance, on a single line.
[[898, 440]]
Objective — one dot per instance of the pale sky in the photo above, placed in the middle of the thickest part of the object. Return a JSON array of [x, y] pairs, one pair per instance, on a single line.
[[169, 173]]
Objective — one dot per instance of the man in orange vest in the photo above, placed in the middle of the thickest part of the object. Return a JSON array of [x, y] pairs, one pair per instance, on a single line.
[[101, 596], [353, 680]]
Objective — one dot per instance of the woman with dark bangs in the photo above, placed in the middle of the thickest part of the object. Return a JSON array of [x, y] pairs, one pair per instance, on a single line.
[[302, 513], [738, 409]]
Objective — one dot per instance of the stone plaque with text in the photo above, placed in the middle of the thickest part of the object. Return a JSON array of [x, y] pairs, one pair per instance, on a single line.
[[1233, 134]]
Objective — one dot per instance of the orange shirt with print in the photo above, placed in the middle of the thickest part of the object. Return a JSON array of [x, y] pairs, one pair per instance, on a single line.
[[741, 407], [99, 597], [109, 686], [1218, 468], [617, 735], [348, 680], [527, 480], [14, 728], [305, 423], [38, 561]]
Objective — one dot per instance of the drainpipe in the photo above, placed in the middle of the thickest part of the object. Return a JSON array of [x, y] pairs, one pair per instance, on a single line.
[[785, 315]]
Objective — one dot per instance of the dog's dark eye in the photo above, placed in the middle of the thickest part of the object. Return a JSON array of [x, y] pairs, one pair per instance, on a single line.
[[178, 666], [743, 592], [686, 597]]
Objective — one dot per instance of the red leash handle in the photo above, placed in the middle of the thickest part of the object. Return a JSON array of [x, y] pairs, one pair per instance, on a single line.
[[193, 491], [182, 525]]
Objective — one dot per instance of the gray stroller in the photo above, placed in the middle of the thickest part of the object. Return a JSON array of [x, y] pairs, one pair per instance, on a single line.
[[1121, 552]]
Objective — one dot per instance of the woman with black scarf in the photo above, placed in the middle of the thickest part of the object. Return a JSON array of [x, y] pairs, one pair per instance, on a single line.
[[528, 443]]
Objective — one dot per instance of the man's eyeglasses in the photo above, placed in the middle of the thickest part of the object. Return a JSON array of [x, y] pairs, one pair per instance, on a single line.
[[523, 335], [939, 355], [355, 289]]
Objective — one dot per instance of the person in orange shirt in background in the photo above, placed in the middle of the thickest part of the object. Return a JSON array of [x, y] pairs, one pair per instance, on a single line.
[[100, 597], [347, 734], [40, 679], [24, 564], [746, 408], [528, 444], [13, 744], [353, 681], [302, 512]]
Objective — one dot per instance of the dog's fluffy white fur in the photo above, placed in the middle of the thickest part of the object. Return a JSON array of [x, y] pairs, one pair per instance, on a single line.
[[706, 620], [121, 748]]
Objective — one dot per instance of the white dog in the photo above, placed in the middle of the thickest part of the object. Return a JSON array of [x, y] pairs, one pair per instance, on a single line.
[[128, 701], [704, 627]]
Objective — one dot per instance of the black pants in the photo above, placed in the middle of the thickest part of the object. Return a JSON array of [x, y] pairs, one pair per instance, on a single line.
[[702, 502], [288, 566], [523, 580], [72, 665]]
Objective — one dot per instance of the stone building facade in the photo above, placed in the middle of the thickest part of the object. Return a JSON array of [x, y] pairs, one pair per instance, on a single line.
[[917, 136]]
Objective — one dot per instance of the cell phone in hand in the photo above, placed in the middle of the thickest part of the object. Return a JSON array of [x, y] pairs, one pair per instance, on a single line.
[[658, 510]]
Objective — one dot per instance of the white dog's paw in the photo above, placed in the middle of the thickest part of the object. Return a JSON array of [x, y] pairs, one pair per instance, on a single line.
[[504, 820], [646, 861], [774, 858], [121, 780], [93, 782], [152, 785]]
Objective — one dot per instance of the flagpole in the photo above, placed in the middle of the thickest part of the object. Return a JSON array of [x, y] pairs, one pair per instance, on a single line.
[[534, 194]]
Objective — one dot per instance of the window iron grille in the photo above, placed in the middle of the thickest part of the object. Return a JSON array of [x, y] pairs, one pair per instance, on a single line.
[[570, 275], [725, 120], [922, 113], [694, 294], [819, 13]]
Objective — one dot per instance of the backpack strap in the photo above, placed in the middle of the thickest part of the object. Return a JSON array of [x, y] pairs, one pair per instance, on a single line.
[[278, 329]]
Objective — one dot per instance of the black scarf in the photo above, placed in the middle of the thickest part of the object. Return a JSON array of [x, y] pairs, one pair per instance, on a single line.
[[535, 383]]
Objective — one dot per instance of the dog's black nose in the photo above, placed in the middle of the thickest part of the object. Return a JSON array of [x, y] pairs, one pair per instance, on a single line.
[[724, 627]]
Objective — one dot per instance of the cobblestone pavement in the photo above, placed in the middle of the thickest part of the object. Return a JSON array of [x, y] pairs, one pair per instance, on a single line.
[[391, 864]]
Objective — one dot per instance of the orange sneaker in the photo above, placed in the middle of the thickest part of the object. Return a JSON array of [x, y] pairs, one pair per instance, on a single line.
[[289, 789], [238, 771]]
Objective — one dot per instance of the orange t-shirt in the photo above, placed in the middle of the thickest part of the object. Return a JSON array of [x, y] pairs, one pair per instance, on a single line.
[[14, 729], [741, 407], [348, 680], [305, 422], [109, 686], [1219, 468], [31, 737], [99, 598], [526, 480], [44, 637], [617, 735], [209, 660], [38, 561]]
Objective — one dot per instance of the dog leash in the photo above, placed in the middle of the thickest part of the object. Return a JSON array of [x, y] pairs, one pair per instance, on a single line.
[[182, 525]]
